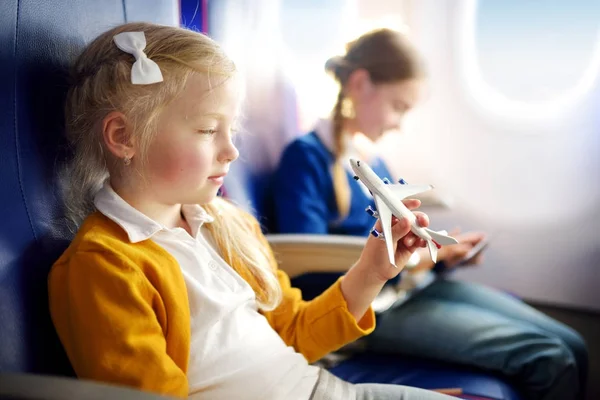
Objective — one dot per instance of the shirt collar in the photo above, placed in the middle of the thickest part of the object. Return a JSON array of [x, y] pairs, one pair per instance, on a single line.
[[137, 225], [324, 131]]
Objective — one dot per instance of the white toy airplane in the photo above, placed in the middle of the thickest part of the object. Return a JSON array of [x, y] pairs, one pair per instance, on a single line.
[[388, 200]]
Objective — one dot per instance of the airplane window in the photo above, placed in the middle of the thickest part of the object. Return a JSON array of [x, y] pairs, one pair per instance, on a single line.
[[529, 58]]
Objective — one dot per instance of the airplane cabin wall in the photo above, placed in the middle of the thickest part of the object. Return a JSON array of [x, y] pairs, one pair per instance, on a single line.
[[530, 182], [533, 183]]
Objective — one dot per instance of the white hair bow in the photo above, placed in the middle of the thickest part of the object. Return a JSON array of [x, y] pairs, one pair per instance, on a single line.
[[143, 71]]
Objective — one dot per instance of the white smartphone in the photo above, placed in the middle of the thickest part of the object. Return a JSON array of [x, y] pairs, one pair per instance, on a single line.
[[475, 251]]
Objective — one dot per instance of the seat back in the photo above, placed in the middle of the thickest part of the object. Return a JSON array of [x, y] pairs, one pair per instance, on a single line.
[[249, 182], [38, 40]]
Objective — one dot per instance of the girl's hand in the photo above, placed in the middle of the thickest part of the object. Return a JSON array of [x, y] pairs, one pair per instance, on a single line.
[[453, 254], [374, 257], [364, 280]]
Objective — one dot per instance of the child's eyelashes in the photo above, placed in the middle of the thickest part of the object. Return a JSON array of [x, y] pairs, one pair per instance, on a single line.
[[208, 132]]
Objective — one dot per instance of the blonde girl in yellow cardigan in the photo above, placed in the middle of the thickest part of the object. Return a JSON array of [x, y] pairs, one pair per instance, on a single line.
[[167, 288]]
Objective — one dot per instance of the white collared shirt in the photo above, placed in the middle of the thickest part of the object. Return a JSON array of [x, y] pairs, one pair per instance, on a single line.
[[234, 352]]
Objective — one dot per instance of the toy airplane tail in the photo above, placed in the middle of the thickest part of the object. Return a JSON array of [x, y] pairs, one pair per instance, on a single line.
[[432, 250], [438, 239]]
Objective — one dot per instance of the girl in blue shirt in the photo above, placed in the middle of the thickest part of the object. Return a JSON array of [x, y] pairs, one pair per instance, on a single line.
[[380, 80]]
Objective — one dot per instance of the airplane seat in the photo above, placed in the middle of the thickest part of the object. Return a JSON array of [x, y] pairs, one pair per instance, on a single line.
[[38, 40]]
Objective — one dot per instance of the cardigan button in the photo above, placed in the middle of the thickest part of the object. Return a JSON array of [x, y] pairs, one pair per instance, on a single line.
[[212, 265]]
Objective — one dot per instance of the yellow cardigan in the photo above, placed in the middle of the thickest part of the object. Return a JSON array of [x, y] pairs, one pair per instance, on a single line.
[[122, 314]]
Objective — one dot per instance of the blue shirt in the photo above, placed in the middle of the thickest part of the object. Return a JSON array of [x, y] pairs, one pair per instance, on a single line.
[[304, 199]]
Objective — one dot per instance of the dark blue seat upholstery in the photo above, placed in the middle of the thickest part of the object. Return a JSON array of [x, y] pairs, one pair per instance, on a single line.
[[38, 39], [401, 370]]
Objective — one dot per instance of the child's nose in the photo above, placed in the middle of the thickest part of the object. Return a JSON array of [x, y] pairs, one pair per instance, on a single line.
[[228, 152]]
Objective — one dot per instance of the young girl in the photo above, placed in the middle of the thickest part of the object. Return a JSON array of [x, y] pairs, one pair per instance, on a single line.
[[380, 80], [162, 294]]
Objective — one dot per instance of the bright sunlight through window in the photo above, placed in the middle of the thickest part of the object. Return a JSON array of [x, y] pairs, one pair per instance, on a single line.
[[528, 60]]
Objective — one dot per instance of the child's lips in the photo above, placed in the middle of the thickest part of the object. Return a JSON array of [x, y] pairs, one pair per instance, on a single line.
[[217, 178]]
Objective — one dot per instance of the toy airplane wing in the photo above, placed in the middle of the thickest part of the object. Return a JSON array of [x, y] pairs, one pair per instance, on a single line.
[[385, 215], [404, 191]]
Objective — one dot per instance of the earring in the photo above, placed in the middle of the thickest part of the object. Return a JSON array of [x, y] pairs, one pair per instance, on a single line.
[[347, 109], [126, 160]]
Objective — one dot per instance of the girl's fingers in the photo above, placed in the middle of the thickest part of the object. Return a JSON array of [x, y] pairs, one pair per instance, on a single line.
[[412, 240], [411, 204], [400, 228], [422, 219]]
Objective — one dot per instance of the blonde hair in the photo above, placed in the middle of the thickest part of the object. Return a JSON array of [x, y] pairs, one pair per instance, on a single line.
[[101, 83], [388, 57]]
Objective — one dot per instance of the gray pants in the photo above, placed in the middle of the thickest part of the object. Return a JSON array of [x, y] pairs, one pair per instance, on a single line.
[[330, 387]]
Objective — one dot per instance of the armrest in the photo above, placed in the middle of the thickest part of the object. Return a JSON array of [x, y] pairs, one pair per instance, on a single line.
[[298, 254], [37, 387]]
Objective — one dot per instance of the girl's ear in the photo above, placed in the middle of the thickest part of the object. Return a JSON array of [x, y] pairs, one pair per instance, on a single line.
[[117, 136], [359, 83]]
